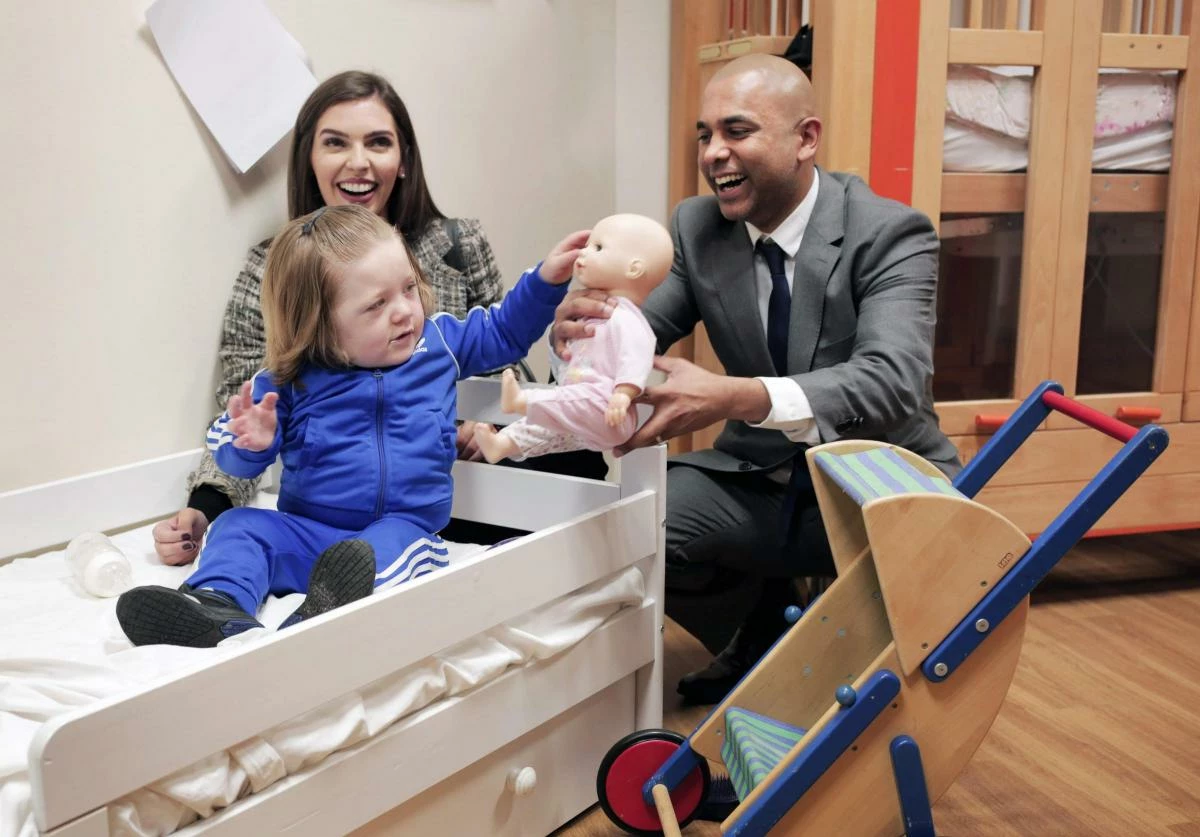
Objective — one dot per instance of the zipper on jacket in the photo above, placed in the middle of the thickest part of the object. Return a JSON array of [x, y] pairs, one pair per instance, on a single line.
[[379, 442]]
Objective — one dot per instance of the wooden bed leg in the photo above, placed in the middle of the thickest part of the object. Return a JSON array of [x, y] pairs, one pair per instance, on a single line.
[[666, 811]]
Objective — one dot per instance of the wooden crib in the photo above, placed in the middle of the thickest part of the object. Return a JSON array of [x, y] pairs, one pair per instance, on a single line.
[[1065, 268]]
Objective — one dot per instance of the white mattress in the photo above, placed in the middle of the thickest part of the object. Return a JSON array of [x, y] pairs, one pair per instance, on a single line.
[[61, 649], [988, 119]]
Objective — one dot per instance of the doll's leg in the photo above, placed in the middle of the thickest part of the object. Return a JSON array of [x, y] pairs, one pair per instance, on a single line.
[[496, 446], [512, 400], [522, 440], [579, 410]]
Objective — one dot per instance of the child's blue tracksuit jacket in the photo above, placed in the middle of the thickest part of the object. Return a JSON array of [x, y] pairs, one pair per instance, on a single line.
[[364, 445]]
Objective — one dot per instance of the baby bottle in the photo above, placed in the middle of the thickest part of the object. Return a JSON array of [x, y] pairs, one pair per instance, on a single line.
[[100, 568]]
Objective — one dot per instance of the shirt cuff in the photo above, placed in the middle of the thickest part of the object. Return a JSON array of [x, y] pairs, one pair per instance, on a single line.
[[210, 501], [790, 412]]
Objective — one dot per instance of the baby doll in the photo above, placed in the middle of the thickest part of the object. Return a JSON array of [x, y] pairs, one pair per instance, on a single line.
[[628, 256]]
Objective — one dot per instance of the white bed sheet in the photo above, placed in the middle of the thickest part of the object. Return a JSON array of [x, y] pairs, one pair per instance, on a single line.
[[61, 649], [988, 119]]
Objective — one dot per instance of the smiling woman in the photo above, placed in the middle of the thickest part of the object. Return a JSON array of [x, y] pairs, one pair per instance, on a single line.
[[353, 143]]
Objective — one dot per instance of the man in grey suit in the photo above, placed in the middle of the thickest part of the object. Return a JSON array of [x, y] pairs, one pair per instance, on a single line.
[[819, 299]]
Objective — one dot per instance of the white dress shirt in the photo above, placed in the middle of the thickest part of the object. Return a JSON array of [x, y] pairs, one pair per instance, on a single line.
[[790, 411]]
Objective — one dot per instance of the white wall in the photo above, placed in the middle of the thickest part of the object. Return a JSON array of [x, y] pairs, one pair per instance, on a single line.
[[124, 225]]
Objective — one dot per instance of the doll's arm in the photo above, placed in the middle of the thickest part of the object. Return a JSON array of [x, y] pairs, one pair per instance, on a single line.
[[619, 403]]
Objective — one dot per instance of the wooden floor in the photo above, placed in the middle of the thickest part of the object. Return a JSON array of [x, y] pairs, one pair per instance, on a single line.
[[1100, 733]]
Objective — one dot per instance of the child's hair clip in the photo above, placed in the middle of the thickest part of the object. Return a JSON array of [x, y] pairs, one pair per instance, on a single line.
[[308, 225]]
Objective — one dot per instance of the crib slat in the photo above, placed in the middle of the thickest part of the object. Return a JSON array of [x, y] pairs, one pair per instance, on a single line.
[[975, 15], [1126, 21]]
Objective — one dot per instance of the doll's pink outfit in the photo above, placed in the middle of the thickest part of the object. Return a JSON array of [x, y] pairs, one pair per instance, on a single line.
[[571, 415]]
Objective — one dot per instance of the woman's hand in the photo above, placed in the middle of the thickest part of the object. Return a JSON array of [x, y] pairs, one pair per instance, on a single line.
[[560, 264], [177, 540], [569, 318], [468, 448], [252, 424]]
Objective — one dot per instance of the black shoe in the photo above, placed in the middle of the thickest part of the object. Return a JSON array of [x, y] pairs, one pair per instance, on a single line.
[[195, 618], [344, 573], [711, 684]]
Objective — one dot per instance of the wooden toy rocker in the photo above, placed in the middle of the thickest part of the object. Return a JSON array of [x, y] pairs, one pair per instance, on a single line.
[[875, 699]]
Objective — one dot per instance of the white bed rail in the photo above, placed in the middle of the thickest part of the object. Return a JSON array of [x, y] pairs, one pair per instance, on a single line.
[[41, 516], [46, 515], [173, 723]]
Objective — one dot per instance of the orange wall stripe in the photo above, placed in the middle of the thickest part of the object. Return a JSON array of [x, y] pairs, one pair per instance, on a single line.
[[894, 100]]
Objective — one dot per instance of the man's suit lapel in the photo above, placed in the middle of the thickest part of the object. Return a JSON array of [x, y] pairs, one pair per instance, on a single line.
[[818, 255], [732, 259]]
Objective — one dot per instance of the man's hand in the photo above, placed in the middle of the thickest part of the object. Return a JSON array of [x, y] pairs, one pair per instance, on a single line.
[[177, 540], [693, 398], [252, 424], [569, 318], [558, 266]]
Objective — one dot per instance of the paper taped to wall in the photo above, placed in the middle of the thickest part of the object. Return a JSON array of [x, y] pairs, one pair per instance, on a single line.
[[245, 75]]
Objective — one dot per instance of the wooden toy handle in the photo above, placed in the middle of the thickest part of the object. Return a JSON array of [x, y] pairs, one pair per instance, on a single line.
[[666, 811], [1089, 416], [988, 423], [1134, 413]]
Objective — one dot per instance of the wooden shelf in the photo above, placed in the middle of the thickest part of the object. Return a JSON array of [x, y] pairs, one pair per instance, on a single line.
[[1005, 192]]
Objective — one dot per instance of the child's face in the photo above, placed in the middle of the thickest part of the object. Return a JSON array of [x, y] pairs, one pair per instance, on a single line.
[[377, 312]]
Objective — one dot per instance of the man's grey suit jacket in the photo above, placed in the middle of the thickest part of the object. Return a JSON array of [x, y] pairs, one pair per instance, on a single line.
[[863, 312]]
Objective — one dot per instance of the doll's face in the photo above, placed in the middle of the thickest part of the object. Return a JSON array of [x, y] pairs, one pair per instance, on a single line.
[[377, 311], [609, 260], [625, 254]]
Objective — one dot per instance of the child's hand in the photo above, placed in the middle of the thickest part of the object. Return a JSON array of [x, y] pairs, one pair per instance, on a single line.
[[618, 406], [252, 424], [560, 264]]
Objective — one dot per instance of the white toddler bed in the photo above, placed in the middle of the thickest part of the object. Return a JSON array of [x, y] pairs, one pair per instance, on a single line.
[[988, 119], [476, 700]]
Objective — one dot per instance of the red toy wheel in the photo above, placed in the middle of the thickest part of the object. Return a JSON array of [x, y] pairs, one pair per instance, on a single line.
[[623, 774]]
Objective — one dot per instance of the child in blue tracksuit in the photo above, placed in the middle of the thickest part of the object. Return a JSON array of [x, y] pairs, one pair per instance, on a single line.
[[358, 397]]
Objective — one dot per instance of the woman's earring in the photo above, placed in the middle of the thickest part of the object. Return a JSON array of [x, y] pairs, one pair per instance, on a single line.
[[401, 175]]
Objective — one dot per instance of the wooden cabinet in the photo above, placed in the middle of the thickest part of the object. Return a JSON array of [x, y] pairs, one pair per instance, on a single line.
[[1055, 272]]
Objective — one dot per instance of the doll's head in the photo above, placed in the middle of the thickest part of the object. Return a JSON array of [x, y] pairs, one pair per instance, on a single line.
[[626, 255], [341, 289]]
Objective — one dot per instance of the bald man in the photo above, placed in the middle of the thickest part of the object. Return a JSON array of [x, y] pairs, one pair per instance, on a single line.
[[819, 299]]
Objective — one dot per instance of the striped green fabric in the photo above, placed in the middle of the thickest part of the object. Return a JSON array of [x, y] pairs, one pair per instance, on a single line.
[[880, 472], [753, 745]]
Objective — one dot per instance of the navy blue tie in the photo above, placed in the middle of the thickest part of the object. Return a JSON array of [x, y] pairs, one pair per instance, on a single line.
[[779, 312], [779, 306]]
